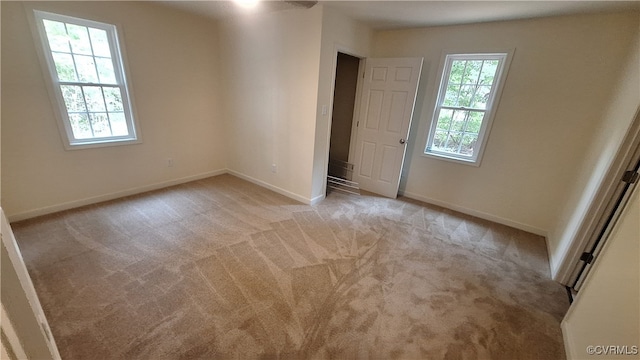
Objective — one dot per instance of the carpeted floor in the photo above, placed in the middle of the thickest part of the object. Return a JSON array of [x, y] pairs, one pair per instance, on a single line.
[[221, 268]]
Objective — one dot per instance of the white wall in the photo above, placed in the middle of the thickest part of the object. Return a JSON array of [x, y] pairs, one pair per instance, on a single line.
[[560, 81], [339, 33], [612, 128], [172, 58], [607, 309], [270, 63]]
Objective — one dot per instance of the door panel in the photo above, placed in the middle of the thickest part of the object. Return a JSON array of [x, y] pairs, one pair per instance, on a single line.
[[374, 110], [387, 101], [387, 170], [396, 116], [366, 161], [403, 73], [379, 74]]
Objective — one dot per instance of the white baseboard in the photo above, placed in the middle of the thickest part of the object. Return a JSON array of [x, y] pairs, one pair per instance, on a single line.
[[141, 189], [111, 196], [137, 190], [317, 199], [273, 188], [478, 214], [569, 349]]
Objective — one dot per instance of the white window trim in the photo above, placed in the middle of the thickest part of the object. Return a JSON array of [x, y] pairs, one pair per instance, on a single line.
[[492, 105], [55, 93]]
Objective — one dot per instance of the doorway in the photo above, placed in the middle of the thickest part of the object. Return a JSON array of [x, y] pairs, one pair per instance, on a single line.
[[340, 171], [371, 119]]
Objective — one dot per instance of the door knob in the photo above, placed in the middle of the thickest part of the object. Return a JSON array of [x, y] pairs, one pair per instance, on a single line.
[[402, 141]]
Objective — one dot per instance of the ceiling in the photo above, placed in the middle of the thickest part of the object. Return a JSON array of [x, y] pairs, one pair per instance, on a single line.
[[402, 14]]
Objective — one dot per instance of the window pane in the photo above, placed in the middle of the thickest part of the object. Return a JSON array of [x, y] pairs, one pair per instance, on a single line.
[[86, 74], [94, 98], [100, 124], [105, 71], [79, 39], [455, 133], [439, 139], [468, 143], [80, 126], [475, 121], [99, 42], [451, 96], [444, 119], [482, 97], [86, 68], [113, 99], [118, 124], [468, 87], [457, 70], [64, 67], [459, 119], [73, 98], [57, 36], [452, 143], [488, 71], [472, 72], [466, 94]]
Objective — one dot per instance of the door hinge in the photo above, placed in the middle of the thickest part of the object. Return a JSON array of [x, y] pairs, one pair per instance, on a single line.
[[587, 257], [357, 123], [630, 177]]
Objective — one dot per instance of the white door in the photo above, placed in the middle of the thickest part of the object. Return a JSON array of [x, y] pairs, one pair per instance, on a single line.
[[386, 106]]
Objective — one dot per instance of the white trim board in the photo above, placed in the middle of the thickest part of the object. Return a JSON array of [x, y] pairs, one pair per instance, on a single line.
[[478, 214], [13, 340], [17, 262], [594, 207], [316, 200], [273, 188], [110, 196], [142, 189]]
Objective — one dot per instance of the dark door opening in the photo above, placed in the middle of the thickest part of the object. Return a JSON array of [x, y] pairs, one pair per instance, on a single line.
[[340, 171]]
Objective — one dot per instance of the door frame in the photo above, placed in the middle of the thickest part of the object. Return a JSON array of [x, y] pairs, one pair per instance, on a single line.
[[356, 112], [599, 207], [26, 307], [338, 48]]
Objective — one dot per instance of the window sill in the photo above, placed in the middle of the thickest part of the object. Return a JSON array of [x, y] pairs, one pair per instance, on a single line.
[[101, 143], [444, 157]]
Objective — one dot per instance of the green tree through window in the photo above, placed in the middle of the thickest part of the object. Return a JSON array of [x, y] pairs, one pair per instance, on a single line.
[[88, 75], [466, 96]]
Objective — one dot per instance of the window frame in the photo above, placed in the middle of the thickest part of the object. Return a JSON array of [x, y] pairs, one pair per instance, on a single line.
[[504, 56], [120, 72]]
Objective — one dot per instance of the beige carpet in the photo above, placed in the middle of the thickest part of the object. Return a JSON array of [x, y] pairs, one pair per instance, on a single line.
[[221, 268]]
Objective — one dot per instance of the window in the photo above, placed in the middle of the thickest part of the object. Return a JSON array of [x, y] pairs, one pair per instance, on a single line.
[[466, 102], [84, 61]]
